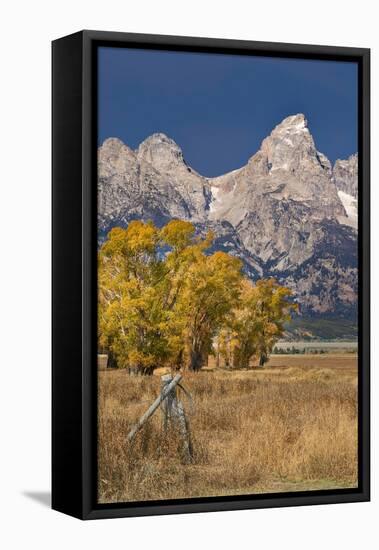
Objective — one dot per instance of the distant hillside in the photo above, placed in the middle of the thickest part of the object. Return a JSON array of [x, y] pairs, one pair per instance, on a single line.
[[321, 329]]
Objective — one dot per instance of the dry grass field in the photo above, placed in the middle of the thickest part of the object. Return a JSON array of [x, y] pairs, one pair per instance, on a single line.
[[289, 427]]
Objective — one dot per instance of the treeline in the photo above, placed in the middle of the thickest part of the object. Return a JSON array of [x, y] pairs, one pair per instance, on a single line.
[[310, 351], [163, 301], [297, 351]]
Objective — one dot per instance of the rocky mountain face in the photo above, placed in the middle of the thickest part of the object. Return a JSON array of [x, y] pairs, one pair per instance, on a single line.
[[345, 174], [287, 213], [153, 182]]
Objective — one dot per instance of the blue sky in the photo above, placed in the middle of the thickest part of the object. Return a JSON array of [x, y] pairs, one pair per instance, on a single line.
[[219, 108]]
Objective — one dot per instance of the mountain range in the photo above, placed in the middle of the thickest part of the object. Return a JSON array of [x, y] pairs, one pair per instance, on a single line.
[[287, 213]]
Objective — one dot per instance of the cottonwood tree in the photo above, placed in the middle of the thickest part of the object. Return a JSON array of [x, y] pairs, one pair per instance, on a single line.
[[163, 300], [259, 320], [200, 291], [210, 291], [130, 302]]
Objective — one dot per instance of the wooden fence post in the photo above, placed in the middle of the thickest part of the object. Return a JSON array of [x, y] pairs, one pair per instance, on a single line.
[[151, 410], [173, 413]]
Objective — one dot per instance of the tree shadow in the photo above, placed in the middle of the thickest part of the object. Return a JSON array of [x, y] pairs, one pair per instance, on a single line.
[[42, 497]]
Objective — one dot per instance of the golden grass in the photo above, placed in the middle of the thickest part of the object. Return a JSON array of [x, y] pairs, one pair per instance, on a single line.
[[287, 427]]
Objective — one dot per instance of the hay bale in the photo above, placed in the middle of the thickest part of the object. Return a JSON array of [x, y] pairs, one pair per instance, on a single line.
[[102, 361]]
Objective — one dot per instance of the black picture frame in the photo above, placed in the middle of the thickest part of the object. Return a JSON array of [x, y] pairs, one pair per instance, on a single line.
[[74, 295]]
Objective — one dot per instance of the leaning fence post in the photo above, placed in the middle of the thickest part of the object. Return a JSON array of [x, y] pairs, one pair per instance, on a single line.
[[151, 410], [173, 413]]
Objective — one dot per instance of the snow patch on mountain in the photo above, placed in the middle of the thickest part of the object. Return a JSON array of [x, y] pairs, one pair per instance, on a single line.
[[351, 207], [215, 191]]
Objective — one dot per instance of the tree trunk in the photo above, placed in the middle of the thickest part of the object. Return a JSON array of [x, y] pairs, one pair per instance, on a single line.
[[218, 355], [263, 359], [196, 358], [139, 370], [147, 371], [179, 363], [112, 362]]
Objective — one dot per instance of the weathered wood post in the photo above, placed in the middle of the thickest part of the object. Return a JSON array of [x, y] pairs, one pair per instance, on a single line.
[[174, 415], [154, 406]]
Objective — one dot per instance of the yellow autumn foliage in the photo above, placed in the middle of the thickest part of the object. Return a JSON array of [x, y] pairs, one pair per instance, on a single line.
[[163, 301]]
